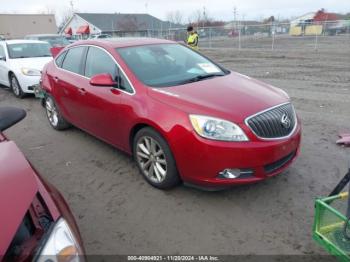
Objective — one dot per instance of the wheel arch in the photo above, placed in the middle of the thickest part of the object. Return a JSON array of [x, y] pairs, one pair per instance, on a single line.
[[143, 124], [163, 133], [9, 73]]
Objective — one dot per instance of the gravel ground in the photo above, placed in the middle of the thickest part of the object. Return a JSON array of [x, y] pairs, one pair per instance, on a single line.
[[119, 213]]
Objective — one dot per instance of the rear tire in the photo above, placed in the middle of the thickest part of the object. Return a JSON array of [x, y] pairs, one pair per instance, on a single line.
[[55, 118], [16, 87], [154, 159]]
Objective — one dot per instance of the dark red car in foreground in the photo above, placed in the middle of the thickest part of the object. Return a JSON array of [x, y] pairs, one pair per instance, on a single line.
[[182, 116], [35, 221]]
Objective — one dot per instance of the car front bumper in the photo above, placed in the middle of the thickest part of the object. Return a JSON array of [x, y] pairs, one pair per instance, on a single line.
[[28, 83], [200, 161]]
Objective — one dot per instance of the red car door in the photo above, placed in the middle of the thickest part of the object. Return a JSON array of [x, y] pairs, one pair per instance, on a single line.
[[69, 86], [100, 106], [100, 110]]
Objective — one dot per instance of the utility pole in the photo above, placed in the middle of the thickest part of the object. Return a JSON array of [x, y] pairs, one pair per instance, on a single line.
[[146, 7], [237, 27], [235, 16], [204, 16]]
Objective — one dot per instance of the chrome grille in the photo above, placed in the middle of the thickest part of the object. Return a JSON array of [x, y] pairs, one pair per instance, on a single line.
[[274, 123]]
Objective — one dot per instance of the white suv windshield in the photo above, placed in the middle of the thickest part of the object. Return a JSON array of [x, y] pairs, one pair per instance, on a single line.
[[27, 50], [164, 65]]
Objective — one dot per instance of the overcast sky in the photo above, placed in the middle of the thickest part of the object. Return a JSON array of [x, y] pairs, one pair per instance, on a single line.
[[219, 9]]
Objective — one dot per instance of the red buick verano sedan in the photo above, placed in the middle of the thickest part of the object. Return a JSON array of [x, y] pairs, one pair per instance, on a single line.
[[182, 116]]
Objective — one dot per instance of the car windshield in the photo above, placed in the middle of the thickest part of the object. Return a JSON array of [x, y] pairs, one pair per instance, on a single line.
[[163, 65], [27, 50], [55, 40]]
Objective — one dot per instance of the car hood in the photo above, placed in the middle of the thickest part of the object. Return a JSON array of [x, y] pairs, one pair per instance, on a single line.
[[18, 186], [33, 63], [233, 97]]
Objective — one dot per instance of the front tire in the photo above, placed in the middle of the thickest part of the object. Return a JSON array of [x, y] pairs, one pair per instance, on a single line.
[[16, 87], [154, 159], [55, 118]]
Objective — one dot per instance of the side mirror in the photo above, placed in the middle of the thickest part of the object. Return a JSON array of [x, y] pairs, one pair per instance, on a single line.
[[2, 58], [102, 80], [10, 116]]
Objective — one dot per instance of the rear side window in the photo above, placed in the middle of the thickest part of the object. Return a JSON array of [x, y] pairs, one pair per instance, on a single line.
[[73, 60], [99, 62], [60, 58]]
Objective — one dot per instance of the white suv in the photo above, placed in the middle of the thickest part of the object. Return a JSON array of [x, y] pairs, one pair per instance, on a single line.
[[21, 62]]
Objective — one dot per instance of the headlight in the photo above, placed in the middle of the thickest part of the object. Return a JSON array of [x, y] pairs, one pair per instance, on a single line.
[[61, 245], [30, 72], [217, 129]]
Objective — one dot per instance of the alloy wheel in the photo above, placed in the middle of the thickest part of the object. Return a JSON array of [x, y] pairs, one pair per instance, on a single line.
[[151, 159], [51, 111], [15, 86]]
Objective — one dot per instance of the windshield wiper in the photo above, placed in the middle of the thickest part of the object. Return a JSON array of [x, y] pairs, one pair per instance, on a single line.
[[201, 77]]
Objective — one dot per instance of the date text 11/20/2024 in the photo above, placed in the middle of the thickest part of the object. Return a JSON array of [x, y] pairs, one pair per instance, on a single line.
[[173, 258]]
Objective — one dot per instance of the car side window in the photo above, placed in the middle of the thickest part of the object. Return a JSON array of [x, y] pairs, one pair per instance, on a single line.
[[60, 58], [123, 83], [2, 51], [73, 60], [99, 61]]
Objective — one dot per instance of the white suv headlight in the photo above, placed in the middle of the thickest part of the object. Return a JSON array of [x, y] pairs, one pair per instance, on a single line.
[[61, 245], [30, 72], [217, 129]]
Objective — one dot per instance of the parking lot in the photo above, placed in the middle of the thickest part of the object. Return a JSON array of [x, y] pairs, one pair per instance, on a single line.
[[119, 213]]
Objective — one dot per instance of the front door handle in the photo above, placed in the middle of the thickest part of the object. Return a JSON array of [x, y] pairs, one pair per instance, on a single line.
[[82, 91], [56, 79]]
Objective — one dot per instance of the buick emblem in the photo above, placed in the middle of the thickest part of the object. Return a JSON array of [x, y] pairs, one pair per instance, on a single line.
[[285, 121]]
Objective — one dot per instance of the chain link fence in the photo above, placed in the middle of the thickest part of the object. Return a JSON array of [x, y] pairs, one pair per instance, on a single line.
[[272, 36]]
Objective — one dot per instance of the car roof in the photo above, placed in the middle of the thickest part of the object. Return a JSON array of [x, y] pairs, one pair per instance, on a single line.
[[123, 42], [20, 41]]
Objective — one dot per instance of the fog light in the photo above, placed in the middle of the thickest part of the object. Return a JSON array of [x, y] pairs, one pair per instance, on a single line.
[[230, 173]]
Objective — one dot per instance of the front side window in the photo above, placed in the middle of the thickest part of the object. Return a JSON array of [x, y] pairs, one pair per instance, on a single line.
[[123, 83], [162, 65], [28, 50], [72, 61], [99, 61]]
